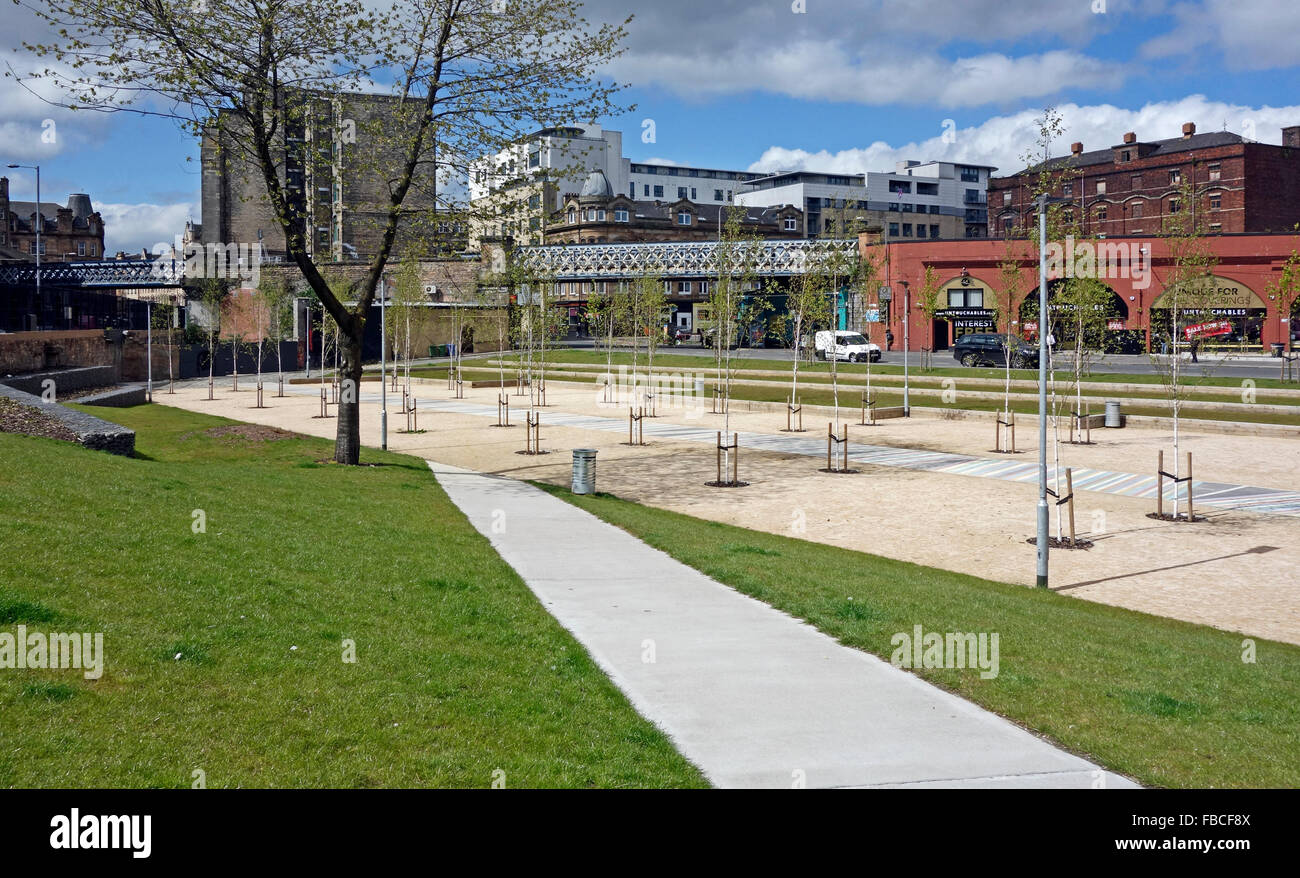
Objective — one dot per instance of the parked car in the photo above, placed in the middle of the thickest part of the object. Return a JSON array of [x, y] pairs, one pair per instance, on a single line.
[[989, 349], [843, 344], [739, 339]]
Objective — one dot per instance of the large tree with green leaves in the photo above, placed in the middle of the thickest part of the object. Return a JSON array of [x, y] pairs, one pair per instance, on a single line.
[[466, 77]]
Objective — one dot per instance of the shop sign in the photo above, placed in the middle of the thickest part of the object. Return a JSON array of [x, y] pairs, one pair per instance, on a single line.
[[1212, 292], [1205, 330]]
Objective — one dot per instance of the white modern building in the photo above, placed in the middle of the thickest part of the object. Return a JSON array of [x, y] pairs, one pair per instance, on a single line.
[[660, 182], [916, 200], [525, 183]]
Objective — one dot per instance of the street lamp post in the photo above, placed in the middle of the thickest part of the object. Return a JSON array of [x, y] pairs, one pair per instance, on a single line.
[[148, 350], [40, 226], [1041, 543], [907, 319], [383, 368]]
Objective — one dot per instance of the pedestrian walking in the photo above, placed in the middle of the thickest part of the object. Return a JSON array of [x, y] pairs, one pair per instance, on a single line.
[[889, 339]]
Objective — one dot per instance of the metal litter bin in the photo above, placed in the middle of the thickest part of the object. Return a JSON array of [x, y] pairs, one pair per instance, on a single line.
[[584, 471], [1113, 416], [1277, 347]]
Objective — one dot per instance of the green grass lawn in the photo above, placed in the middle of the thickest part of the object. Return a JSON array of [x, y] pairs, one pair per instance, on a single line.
[[852, 376], [945, 367], [224, 649], [1169, 703]]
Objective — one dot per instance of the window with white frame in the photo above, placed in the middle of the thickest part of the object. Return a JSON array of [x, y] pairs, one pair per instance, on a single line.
[[620, 216], [683, 217], [791, 225]]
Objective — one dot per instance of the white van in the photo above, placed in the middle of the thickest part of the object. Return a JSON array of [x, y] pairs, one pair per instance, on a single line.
[[843, 344]]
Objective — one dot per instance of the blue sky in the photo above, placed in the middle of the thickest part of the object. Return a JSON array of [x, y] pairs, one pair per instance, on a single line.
[[844, 85]]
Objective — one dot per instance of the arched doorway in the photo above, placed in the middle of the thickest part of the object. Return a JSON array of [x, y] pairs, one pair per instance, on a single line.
[[1083, 305], [966, 305], [1235, 311]]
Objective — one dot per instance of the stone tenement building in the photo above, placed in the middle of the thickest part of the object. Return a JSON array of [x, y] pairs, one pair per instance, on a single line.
[[1131, 188], [69, 234], [335, 158], [598, 216]]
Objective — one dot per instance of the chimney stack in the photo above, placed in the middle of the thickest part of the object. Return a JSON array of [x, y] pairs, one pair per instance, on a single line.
[[1130, 137], [1291, 136], [1076, 148], [1189, 128]]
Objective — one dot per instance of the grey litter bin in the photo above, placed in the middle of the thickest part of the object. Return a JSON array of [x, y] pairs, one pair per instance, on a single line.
[[1113, 416], [699, 388], [584, 470]]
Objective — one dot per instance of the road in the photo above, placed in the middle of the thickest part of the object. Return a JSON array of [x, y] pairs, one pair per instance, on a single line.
[[1249, 366]]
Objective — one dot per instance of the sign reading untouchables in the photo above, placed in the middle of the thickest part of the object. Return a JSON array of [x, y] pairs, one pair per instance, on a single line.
[[1205, 330]]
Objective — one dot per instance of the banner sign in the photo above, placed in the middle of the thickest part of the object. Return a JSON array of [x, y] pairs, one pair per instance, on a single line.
[[1114, 325], [1204, 330], [873, 315]]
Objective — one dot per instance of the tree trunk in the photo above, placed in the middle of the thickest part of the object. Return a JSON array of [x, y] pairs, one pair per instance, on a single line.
[[347, 444]]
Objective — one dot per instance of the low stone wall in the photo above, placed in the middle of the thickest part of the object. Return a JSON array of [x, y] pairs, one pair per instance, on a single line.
[[92, 432], [34, 351], [64, 379], [118, 397]]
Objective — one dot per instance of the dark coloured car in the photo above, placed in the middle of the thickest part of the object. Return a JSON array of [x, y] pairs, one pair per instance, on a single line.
[[988, 349]]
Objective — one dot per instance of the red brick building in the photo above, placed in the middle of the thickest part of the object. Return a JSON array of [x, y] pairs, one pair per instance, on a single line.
[[969, 273], [1132, 187]]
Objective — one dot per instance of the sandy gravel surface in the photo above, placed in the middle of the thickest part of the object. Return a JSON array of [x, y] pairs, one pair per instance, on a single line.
[[1237, 571]]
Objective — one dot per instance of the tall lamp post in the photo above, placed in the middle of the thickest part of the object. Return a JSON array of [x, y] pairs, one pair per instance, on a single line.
[[1041, 543], [148, 350], [907, 320], [40, 226], [383, 367]]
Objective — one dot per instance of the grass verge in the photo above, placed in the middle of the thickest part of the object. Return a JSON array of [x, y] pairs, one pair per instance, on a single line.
[[850, 394], [1167, 702], [225, 649]]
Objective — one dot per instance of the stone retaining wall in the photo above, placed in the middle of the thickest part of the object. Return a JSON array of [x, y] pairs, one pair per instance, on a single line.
[[92, 432], [64, 379], [118, 397]]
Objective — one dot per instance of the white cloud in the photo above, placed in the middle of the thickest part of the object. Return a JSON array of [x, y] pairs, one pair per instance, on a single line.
[[130, 227], [1003, 141], [1247, 34], [826, 71]]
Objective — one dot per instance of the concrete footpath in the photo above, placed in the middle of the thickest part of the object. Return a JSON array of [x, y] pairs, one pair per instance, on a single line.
[[752, 696]]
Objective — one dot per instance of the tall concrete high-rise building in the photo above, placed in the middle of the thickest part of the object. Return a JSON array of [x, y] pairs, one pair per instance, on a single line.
[[335, 158]]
